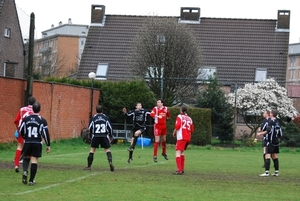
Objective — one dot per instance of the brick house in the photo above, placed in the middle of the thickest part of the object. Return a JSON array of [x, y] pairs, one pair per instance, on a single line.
[[58, 52], [11, 41], [237, 50]]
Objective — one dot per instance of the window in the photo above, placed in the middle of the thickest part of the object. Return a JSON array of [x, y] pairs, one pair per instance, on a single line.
[[7, 32], [205, 73], [292, 73], [260, 74], [101, 72], [9, 69], [153, 72], [293, 61]]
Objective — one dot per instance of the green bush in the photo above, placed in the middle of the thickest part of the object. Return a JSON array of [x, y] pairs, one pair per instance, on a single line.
[[291, 135], [202, 122]]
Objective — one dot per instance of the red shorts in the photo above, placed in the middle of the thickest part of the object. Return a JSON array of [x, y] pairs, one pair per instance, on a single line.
[[181, 145], [20, 139], [160, 130]]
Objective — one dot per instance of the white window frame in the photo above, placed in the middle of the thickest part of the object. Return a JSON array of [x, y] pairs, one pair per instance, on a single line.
[[260, 74], [205, 72], [7, 32], [101, 72]]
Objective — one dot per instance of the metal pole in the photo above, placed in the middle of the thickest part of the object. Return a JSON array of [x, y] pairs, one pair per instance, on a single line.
[[92, 98], [162, 87]]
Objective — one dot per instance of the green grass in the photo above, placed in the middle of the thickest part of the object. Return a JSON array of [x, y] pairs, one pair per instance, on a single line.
[[211, 173]]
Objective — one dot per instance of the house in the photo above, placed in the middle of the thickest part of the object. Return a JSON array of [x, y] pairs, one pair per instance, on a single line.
[[58, 52], [237, 50], [293, 74], [11, 41]]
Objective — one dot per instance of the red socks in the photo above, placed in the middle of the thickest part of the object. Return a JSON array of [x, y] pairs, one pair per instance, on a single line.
[[155, 149], [164, 148], [17, 157], [179, 164]]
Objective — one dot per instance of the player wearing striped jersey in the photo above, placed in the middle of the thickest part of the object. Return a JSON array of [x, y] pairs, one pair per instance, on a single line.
[[102, 134], [33, 129], [184, 128], [23, 112], [139, 116], [273, 133], [263, 127], [160, 113]]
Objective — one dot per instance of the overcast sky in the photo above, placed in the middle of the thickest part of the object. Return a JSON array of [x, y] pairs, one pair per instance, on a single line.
[[52, 12]]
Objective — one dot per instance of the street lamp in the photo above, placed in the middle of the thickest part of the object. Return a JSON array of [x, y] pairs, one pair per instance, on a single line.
[[92, 76]]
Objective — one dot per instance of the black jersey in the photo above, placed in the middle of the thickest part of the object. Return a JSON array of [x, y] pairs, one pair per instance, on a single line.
[[139, 117], [100, 126], [33, 128], [274, 132]]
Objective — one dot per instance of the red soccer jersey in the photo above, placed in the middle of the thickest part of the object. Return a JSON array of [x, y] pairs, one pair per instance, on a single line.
[[160, 115], [23, 112], [184, 127]]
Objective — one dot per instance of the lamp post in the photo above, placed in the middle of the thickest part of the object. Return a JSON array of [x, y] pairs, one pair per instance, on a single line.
[[92, 76]]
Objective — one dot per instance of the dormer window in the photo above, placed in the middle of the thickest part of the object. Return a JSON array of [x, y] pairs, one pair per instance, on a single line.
[[7, 33]]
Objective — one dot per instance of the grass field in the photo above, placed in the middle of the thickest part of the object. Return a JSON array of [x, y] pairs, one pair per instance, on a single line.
[[211, 173]]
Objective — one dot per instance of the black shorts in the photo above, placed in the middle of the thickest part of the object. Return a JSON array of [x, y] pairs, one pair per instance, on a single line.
[[32, 149], [103, 141], [272, 149], [142, 129], [264, 142]]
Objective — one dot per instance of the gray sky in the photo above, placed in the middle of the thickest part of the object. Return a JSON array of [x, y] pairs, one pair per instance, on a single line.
[[51, 12]]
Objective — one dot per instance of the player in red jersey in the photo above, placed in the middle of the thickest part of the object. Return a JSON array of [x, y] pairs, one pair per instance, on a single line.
[[160, 113], [23, 112], [184, 128]]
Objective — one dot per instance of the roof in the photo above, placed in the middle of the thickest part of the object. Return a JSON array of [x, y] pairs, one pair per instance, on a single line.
[[236, 47]]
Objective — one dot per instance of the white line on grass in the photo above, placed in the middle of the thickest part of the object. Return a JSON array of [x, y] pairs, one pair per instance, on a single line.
[[79, 178]]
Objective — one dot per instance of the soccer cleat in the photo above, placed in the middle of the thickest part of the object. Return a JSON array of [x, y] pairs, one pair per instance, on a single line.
[[276, 174], [24, 178], [31, 183], [264, 174], [155, 159], [21, 161], [129, 160], [111, 166], [87, 168], [129, 149], [17, 169], [178, 173], [165, 156]]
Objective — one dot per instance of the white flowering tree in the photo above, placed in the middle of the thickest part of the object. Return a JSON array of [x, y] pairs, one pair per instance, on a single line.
[[255, 98]]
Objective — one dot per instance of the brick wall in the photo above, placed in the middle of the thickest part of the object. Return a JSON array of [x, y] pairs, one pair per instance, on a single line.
[[63, 106]]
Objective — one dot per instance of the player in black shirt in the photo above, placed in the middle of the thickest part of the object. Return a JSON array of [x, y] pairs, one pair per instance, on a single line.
[[33, 128], [272, 149], [139, 117], [102, 134], [263, 127]]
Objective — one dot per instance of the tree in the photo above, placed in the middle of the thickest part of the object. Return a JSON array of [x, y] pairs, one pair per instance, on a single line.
[[167, 54], [255, 98], [222, 112]]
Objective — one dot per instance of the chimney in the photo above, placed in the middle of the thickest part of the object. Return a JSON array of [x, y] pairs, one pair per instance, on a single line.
[[283, 19], [98, 12], [52, 26], [60, 23], [69, 21], [189, 13]]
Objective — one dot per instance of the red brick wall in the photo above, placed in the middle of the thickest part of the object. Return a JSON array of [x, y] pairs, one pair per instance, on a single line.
[[63, 106]]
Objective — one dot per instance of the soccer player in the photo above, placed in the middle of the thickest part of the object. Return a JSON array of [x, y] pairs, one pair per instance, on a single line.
[[102, 134], [160, 113], [272, 148], [23, 112], [184, 128], [263, 127], [33, 129], [139, 116]]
